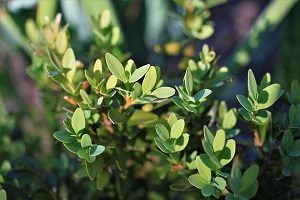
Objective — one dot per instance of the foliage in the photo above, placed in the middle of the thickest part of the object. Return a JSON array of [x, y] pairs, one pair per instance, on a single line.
[[129, 133]]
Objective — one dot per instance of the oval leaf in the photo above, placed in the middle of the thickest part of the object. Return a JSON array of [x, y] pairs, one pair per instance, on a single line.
[[86, 141], [162, 131], [149, 80], [197, 181], [203, 170], [244, 102], [188, 81], [139, 73], [163, 92], [96, 150], [249, 177], [177, 129], [115, 67], [252, 85], [63, 136], [219, 140], [202, 94], [78, 120]]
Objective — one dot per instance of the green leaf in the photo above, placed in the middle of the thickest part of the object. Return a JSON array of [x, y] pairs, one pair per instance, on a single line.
[[208, 136], [268, 96], [63, 136], [102, 179], [220, 183], [227, 154], [203, 170], [86, 141], [116, 116], [222, 110], [210, 162], [251, 191], [105, 19], [294, 115], [182, 142], [137, 90], [295, 150], [84, 154], [69, 62], [244, 102], [163, 92], [61, 42], [73, 147], [208, 148], [265, 82], [202, 94], [172, 119], [246, 115], [252, 85], [208, 190], [219, 140], [3, 195], [96, 150], [139, 73], [94, 168], [230, 196], [78, 120], [188, 81], [159, 142], [98, 66], [115, 67], [249, 177], [85, 97], [140, 117], [262, 117], [169, 145], [149, 80], [197, 181], [162, 131], [111, 82], [177, 128], [229, 120], [235, 178]]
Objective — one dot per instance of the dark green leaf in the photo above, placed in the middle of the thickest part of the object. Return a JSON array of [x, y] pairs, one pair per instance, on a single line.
[[202, 94], [140, 117], [63, 136], [208, 136], [244, 102], [249, 178], [159, 142], [207, 190]]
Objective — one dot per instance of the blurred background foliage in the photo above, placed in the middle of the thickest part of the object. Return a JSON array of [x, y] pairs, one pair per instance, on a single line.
[[261, 34]]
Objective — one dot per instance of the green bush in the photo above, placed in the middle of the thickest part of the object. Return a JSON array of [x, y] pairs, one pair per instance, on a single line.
[[129, 133]]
